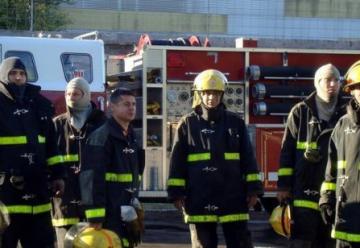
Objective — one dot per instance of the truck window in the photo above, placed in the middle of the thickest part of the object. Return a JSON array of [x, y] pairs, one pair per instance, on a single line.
[[28, 59], [77, 65]]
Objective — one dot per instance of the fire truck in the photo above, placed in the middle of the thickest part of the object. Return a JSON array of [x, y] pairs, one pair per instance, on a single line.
[[263, 86]]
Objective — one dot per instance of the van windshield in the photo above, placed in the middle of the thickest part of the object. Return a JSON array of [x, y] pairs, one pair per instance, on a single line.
[[77, 65], [28, 60]]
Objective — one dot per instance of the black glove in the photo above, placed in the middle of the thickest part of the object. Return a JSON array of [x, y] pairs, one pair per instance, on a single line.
[[327, 214]]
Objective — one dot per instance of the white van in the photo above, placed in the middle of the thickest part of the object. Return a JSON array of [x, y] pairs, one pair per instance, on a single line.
[[52, 62]]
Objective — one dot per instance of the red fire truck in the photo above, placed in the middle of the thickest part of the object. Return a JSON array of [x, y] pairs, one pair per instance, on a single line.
[[263, 86]]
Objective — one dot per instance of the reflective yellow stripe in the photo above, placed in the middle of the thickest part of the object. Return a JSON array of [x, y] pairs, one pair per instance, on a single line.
[[41, 139], [234, 217], [120, 178], [306, 204], [27, 209], [41, 208], [95, 213], [351, 237], [19, 209], [253, 177], [71, 158], [14, 140], [232, 156], [328, 186], [341, 164], [125, 242], [215, 218], [65, 221], [304, 145], [55, 160], [200, 218], [285, 172], [198, 157], [176, 182]]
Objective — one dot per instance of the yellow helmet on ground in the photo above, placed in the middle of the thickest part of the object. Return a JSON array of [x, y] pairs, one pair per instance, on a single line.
[[83, 236], [280, 220], [352, 76], [208, 80], [91, 238]]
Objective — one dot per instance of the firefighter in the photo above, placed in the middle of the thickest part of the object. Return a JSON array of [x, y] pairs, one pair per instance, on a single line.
[[340, 190], [213, 173], [72, 129], [304, 154], [29, 159], [113, 163]]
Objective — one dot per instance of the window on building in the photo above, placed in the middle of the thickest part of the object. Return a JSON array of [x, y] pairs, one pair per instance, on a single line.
[[77, 65], [29, 62]]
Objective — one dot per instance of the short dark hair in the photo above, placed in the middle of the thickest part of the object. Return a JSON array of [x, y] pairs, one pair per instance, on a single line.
[[117, 93]]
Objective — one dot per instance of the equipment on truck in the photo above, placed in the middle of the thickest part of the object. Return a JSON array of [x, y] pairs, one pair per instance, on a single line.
[[263, 85]]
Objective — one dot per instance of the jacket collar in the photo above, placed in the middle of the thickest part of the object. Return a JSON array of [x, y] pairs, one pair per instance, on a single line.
[[30, 91], [310, 102], [116, 130], [353, 110]]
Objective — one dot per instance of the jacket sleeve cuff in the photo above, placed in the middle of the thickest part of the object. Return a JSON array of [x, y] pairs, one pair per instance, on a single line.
[[95, 215]]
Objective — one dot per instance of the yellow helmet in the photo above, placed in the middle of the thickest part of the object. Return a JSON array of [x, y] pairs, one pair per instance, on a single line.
[[103, 238], [208, 80], [280, 220], [352, 76], [83, 236]]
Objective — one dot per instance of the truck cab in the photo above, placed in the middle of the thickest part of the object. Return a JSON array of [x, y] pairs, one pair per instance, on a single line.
[[52, 62]]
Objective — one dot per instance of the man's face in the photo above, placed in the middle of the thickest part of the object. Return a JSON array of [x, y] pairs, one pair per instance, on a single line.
[[355, 92], [211, 98], [125, 109], [17, 76], [73, 95], [328, 87]]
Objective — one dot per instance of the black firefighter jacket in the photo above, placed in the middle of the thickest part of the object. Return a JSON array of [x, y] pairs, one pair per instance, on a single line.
[[304, 130], [28, 153], [110, 174], [213, 167], [68, 210], [341, 187]]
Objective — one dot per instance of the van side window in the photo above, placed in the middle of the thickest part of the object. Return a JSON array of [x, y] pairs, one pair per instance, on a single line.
[[28, 59], [77, 65]]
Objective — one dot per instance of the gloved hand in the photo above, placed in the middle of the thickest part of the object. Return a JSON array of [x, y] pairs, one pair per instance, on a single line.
[[96, 226], [179, 203], [283, 196], [327, 214], [58, 187], [131, 224], [251, 200], [140, 213]]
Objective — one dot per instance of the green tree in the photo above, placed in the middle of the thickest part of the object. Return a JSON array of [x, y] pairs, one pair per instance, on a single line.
[[47, 16]]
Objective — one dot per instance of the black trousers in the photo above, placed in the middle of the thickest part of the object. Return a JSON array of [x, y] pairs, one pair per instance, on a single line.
[[236, 234], [309, 227], [31, 230]]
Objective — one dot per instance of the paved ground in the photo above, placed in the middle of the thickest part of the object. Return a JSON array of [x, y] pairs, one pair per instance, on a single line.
[[165, 228]]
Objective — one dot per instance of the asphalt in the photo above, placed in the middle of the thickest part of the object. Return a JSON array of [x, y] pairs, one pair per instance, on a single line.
[[164, 227]]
